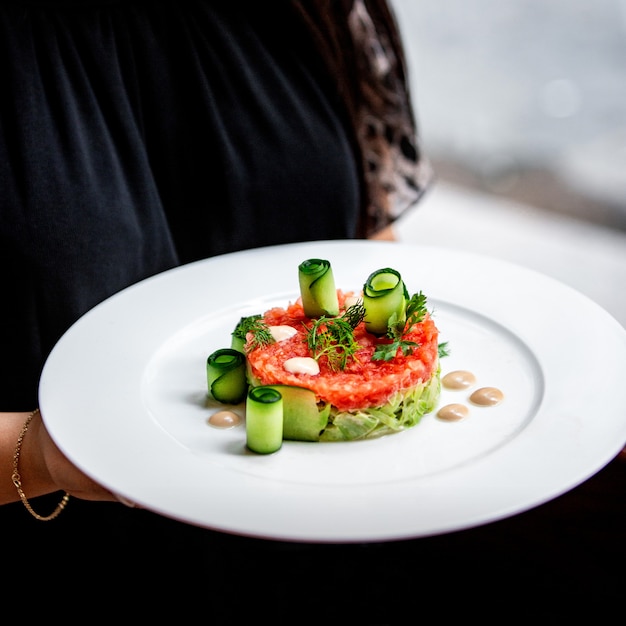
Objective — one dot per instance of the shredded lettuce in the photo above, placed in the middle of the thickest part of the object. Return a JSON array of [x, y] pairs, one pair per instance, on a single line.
[[404, 411]]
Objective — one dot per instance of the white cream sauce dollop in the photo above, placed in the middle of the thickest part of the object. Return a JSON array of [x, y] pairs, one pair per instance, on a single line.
[[280, 333], [302, 365]]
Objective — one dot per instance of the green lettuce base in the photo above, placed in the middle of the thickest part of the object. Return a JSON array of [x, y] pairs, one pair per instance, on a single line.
[[404, 411], [306, 420]]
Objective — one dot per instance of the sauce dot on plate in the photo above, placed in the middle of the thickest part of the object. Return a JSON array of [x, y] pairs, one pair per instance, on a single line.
[[487, 396], [224, 419], [458, 379], [452, 412]]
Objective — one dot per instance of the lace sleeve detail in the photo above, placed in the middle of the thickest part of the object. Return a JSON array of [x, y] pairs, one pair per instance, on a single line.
[[396, 173]]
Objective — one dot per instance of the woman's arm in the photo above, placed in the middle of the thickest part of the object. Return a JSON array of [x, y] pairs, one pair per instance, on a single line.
[[386, 234], [43, 468]]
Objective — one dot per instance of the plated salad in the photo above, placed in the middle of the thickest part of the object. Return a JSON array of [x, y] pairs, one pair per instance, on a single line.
[[333, 365]]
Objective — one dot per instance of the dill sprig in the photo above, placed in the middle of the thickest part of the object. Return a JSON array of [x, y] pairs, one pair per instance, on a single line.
[[254, 324], [333, 337], [443, 349], [415, 312], [354, 314]]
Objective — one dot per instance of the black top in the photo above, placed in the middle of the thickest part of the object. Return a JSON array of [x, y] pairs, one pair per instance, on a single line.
[[140, 135]]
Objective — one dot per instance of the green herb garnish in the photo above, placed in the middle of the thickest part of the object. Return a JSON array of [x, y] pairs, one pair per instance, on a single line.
[[333, 337], [354, 314], [443, 349], [396, 330], [254, 324]]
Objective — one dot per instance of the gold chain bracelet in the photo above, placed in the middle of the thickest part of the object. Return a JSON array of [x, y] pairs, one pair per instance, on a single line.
[[17, 480]]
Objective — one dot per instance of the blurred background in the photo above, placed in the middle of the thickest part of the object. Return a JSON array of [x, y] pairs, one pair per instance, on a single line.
[[524, 99], [522, 110]]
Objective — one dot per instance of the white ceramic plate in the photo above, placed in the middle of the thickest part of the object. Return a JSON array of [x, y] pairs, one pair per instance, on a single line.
[[123, 393]]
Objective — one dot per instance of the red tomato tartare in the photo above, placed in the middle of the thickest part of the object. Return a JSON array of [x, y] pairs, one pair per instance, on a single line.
[[364, 383]]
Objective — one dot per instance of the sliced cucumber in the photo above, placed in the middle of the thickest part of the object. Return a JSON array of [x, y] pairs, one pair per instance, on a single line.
[[226, 376], [302, 418], [264, 420], [317, 288]]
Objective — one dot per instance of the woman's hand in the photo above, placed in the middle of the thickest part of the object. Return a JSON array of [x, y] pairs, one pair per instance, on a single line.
[[42, 467], [64, 474]]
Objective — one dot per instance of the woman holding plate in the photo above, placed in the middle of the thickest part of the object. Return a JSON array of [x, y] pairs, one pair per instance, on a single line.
[[141, 136], [138, 136]]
